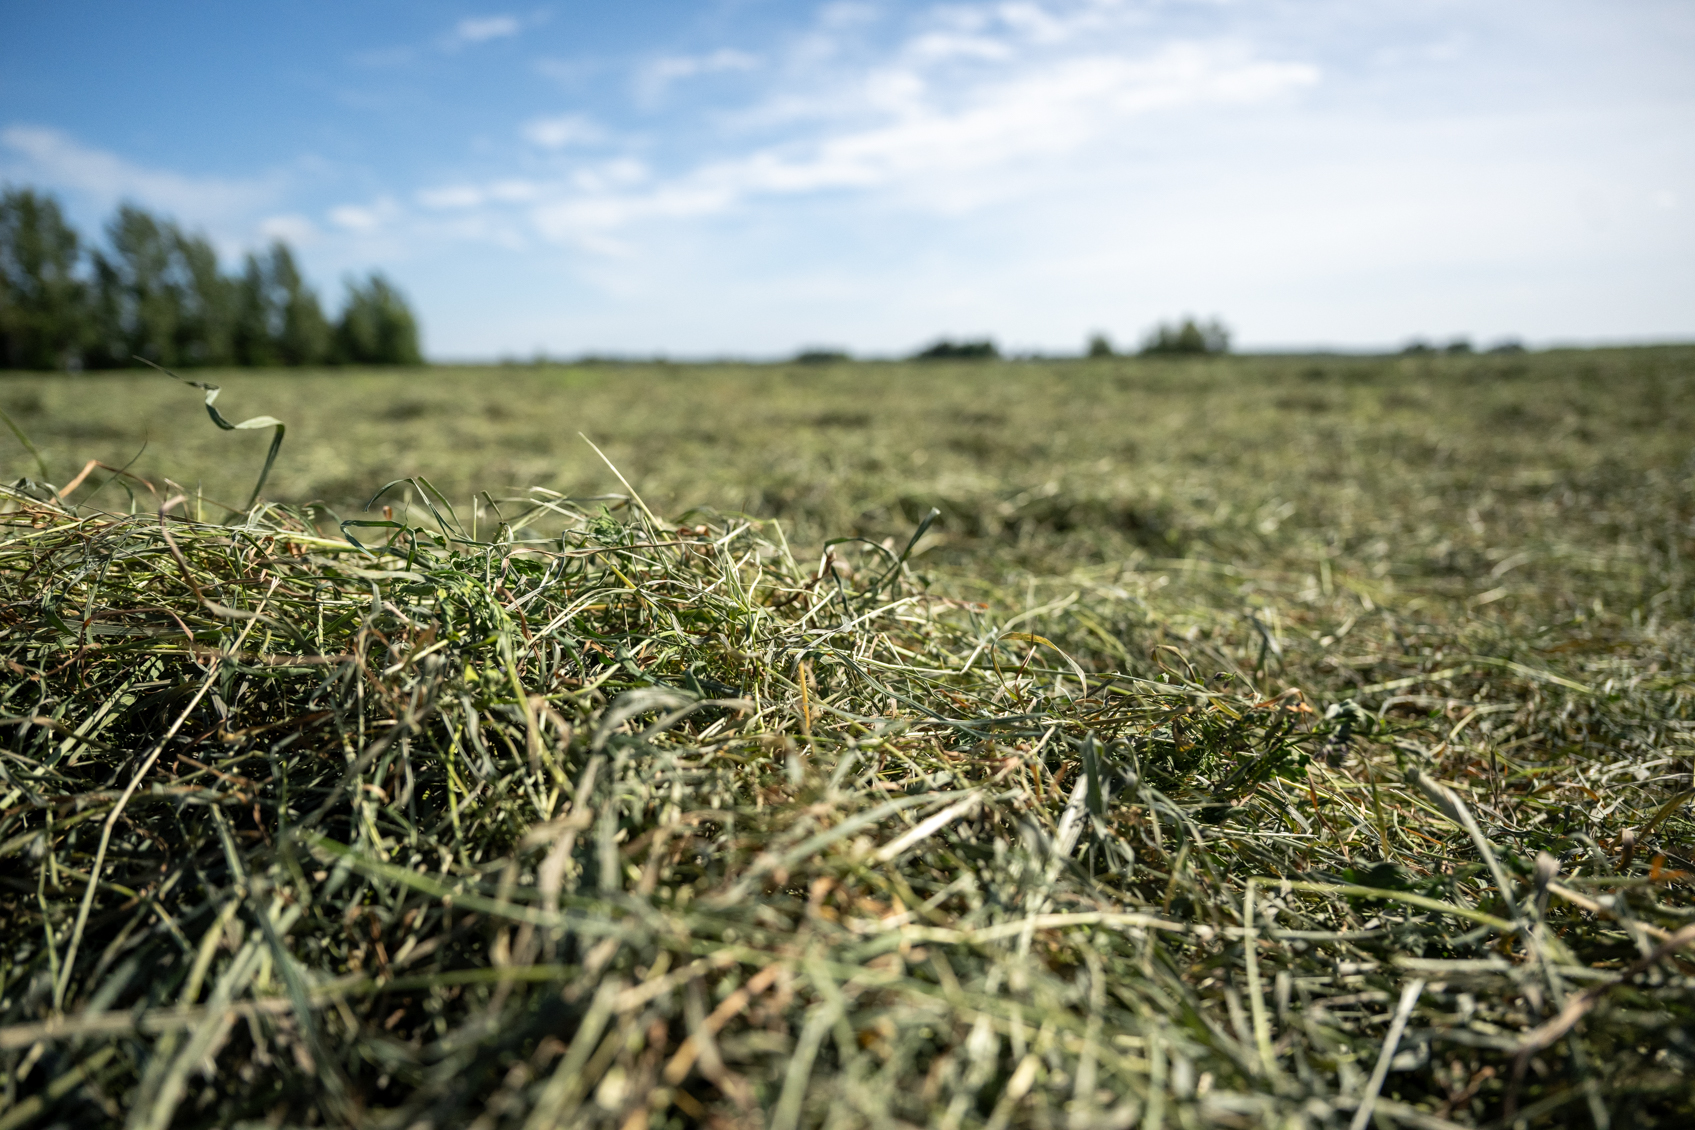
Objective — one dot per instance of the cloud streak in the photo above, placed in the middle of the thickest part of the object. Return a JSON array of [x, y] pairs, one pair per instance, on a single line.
[[103, 178], [562, 130], [364, 219], [481, 29], [657, 77]]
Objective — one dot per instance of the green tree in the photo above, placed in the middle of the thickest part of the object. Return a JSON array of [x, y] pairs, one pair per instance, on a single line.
[[278, 319], [104, 346], [305, 337], [946, 350], [1188, 336], [42, 302], [207, 302], [159, 294], [139, 303], [256, 317], [377, 326], [156, 291], [1100, 346]]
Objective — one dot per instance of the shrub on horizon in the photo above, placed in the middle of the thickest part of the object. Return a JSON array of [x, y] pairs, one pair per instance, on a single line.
[[822, 356], [1187, 337], [945, 350]]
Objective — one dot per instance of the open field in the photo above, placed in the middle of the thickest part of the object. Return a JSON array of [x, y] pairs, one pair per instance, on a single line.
[[1421, 464], [1248, 741]]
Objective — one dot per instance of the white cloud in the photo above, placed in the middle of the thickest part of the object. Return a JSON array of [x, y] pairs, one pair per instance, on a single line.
[[58, 160], [942, 45], [847, 13], [481, 29], [562, 130], [467, 32], [365, 218], [653, 79], [458, 197], [452, 197], [290, 228]]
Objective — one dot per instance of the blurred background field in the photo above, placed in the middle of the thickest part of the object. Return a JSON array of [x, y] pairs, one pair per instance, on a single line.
[[1468, 475]]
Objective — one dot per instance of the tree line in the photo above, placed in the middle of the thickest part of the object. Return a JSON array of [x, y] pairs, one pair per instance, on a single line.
[[1186, 336], [157, 291]]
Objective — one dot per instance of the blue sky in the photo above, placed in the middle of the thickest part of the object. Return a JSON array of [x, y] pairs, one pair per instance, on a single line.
[[745, 177]]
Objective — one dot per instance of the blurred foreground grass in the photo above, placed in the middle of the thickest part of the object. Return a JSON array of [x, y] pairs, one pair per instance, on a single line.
[[1249, 742]]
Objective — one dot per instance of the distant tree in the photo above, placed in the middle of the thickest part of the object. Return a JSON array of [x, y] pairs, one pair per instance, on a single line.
[[1459, 345], [946, 350], [306, 337], [1417, 347], [377, 326], [139, 301], [42, 302], [103, 342], [1100, 346], [278, 320], [207, 313], [257, 319], [822, 356], [1188, 337], [157, 292]]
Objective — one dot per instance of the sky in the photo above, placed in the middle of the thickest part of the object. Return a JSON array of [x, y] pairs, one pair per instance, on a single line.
[[748, 178]]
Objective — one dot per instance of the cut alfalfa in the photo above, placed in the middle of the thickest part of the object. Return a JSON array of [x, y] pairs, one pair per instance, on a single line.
[[651, 824]]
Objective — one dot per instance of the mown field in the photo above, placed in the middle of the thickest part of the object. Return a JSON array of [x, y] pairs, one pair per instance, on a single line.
[[1245, 741]]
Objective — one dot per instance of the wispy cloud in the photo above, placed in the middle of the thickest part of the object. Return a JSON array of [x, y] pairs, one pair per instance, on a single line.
[[49, 156], [458, 197], [973, 105], [561, 130], [468, 32], [481, 29], [290, 227], [363, 219], [942, 145], [653, 79]]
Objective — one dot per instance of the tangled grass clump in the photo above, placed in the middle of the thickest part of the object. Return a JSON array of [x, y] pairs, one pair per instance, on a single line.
[[620, 822]]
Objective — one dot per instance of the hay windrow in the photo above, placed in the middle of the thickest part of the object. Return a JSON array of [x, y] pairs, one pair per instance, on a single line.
[[612, 821]]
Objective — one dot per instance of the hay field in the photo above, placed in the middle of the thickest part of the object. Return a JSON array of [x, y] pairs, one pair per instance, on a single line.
[[1246, 741]]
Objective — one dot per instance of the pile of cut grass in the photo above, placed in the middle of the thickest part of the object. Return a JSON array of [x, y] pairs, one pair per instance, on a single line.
[[636, 823]]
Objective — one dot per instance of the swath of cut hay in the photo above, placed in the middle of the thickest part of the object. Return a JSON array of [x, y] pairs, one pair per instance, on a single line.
[[620, 822]]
